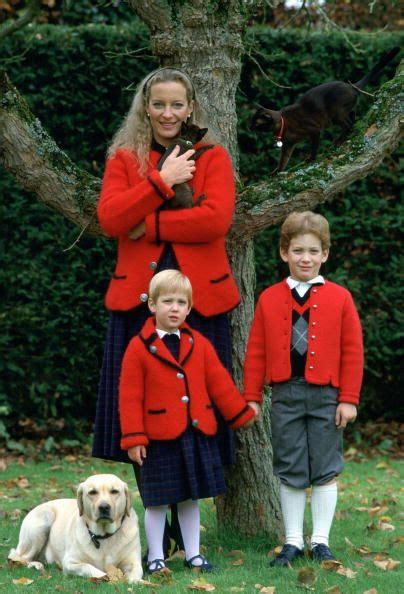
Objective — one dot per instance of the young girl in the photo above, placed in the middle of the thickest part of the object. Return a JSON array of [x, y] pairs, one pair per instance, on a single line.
[[171, 378]]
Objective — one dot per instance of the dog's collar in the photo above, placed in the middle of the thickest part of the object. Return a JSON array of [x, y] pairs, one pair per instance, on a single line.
[[279, 136], [95, 538]]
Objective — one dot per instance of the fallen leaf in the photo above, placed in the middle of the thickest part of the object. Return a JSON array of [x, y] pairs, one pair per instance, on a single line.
[[148, 584], [22, 482], [371, 591], [99, 580], [333, 590], [382, 465], [275, 551], [236, 589], [346, 572], [268, 590], [307, 576], [387, 565], [201, 584], [238, 562], [235, 553], [115, 574], [386, 527], [23, 581], [177, 555], [330, 565], [3, 465]]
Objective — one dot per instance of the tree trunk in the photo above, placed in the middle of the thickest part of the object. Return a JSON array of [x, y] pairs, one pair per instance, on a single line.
[[252, 500], [204, 39]]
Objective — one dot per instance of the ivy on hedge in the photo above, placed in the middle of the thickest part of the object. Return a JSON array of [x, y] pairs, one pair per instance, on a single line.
[[79, 82]]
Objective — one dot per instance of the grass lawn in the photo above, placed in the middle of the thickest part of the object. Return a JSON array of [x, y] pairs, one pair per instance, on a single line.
[[368, 508]]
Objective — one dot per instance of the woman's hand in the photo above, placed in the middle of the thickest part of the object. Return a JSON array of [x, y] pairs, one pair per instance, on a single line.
[[345, 413], [178, 169], [137, 231], [137, 454]]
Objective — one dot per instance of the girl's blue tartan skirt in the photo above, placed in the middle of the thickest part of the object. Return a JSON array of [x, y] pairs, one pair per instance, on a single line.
[[190, 455]]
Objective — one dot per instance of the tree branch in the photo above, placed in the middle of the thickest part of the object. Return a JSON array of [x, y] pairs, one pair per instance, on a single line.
[[10, 26], [266, 204], [28, 152], [155, 13], [36, 162]]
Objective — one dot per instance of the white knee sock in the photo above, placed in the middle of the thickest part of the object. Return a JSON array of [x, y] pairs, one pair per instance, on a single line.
[[293, 502], [323, 502], [189, 520], [154, 523]]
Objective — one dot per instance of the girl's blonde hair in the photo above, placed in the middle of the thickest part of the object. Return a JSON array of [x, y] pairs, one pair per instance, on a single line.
[[135, 132], [170, 281], [298, 223]]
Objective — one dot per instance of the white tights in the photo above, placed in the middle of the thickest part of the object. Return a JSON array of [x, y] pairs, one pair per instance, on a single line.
[[189, 520]]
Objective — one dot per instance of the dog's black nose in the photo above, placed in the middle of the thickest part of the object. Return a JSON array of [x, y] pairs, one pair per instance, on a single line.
[[104, 509]]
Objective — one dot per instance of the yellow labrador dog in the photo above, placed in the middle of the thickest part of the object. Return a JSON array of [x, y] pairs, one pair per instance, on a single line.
[[86, 536]]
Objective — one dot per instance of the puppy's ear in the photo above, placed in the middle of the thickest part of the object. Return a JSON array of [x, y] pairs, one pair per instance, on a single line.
[[80, 499], [201, 133], [128, 496], [184, 129]]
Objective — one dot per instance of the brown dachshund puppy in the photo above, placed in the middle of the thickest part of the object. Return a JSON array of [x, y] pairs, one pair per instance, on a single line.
[[189, 136]]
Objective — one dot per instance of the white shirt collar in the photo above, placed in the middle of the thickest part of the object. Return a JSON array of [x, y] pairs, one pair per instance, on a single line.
[[303, 287], [162, 333]]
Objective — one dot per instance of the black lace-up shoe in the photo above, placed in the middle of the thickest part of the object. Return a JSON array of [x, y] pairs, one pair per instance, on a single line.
[[288, 554], [321, 553]]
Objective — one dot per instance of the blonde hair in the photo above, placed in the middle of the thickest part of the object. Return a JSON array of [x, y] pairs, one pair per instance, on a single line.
[[298, 223], [170, 281], [135, 132]]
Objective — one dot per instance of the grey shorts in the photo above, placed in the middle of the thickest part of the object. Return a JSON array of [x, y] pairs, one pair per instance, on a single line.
[[306, 443]]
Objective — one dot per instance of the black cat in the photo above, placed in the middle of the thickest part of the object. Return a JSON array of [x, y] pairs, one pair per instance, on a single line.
[[318, 109], [189, 135]]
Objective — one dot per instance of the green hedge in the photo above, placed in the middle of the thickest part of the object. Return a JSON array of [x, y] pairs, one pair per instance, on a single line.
[[78, 82]]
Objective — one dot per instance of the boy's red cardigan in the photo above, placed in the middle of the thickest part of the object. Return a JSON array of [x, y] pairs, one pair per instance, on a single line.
[[334, 351], [159, 396], [197, 234]]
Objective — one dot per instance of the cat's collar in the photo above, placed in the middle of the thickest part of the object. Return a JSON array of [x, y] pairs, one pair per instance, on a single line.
[[279, 136]]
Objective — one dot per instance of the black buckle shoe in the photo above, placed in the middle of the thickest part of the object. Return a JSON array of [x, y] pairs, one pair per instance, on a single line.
[[159, 565], [205, 566], [288, 554], [321, 553]]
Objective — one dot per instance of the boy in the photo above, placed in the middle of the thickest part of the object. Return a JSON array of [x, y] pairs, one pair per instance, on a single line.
[[306, 342], [170, 381]]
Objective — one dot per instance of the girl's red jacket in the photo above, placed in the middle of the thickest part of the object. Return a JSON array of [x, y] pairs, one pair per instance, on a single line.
[[197, 235], [334, 351], [160, 397]]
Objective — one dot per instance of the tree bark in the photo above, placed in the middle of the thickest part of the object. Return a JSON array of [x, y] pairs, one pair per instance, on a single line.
[[204, 38], [40, 166]]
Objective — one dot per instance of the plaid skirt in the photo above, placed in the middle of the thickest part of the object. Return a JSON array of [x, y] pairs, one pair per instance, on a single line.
[[189, 467], [122, 327]]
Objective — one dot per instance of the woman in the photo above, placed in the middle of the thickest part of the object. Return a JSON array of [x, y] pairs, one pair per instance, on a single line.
[[151, 239]]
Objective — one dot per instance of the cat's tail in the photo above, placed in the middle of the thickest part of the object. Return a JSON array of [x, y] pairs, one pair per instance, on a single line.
[[371, 76]]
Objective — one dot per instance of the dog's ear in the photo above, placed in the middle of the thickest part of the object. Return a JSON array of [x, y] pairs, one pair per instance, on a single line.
[[128, 496], [80, 499], [184, 129]]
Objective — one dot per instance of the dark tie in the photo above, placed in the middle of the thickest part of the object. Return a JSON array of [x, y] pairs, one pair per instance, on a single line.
[[172, 342]]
